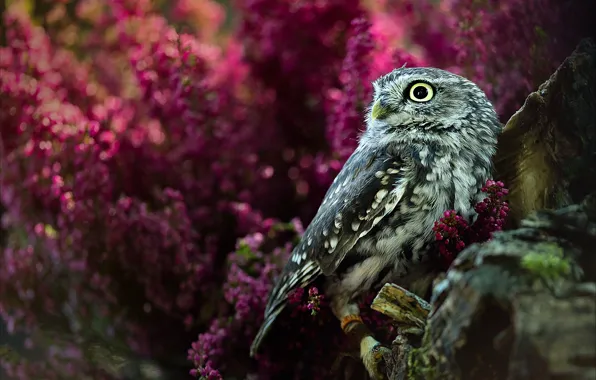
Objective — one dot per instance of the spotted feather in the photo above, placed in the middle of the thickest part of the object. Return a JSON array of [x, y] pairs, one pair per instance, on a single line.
[[363, 193], [367, 189]]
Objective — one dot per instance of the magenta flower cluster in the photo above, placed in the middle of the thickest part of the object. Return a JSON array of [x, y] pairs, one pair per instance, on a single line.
[[158, 159], [313, 303], [453, 232]]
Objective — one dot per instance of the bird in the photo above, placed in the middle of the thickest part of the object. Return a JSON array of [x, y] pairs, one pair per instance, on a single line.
[[427, 147]]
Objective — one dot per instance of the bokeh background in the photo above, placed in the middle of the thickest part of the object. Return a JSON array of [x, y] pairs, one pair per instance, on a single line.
[[158, 160]]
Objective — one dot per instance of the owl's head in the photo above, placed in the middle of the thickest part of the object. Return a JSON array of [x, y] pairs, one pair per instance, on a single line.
[[429, 104]]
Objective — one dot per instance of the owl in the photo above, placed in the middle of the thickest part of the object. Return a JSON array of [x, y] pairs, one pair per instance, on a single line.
[[428, 145]]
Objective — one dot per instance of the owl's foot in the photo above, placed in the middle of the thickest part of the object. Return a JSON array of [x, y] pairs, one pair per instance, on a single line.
[[371, 351], [372, 354]]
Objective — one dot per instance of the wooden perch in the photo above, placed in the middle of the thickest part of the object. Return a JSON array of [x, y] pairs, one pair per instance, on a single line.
[[401, 305]]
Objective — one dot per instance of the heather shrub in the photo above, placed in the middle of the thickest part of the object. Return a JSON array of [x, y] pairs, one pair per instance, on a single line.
[[159, 158]]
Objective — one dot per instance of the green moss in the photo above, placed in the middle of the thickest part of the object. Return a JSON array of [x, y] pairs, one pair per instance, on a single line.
[[547, 262], [417, 366], [421, 363]]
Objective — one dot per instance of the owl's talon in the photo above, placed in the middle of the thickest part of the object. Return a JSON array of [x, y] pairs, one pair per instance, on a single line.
[[372, 353], [377, 351]]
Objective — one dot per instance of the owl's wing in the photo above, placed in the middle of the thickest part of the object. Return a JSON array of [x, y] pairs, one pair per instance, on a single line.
[[368, 188]]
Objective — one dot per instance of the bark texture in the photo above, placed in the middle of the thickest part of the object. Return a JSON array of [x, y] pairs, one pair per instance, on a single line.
[[547, 150]]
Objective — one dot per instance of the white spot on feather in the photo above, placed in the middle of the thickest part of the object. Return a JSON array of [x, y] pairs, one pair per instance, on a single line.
[[333, 241], [381, 194], [293, 281], [337, 221]]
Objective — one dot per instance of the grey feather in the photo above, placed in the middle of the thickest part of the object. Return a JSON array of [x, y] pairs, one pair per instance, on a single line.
[[367, 188], [416, 159]]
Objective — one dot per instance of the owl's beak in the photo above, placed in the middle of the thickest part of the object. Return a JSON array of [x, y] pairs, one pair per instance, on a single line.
[[378, 111]]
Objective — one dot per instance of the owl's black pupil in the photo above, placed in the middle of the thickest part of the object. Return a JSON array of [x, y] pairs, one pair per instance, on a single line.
[[420, 92]]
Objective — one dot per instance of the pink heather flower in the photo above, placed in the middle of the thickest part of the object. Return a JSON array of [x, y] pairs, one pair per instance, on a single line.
[[295, 296], [346, 119], [249, 279], [421, 23], [302, 301], [314, 300], [509, 47], [453, 233], [147, 162], [206, 15], [492, 211], [105, 197], [449, 231]]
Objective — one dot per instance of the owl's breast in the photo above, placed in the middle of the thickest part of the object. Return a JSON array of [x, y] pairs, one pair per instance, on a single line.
[[407, 233]]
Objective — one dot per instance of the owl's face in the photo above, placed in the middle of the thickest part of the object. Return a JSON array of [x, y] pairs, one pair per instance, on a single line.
[[432, 101]]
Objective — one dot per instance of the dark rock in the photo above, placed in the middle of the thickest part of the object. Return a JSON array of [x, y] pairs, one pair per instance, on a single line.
[[547, 152], [519, 307]]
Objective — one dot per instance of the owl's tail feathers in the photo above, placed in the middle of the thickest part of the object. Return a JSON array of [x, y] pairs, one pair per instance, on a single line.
[[265, 327]]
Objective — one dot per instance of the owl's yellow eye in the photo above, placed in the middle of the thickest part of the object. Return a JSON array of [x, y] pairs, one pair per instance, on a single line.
[[421, 92]]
